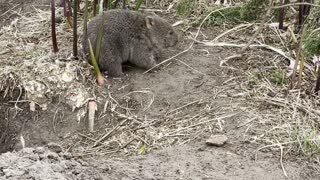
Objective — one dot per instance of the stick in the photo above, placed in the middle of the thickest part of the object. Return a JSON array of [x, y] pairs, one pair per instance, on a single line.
[[230, 30], [279, 51], [281, 163], [92, 109], [166, 60]]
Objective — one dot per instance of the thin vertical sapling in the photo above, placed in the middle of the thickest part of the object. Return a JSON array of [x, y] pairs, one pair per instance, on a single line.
[[85, 18], [95, 3], [67, 10], [53, 28], [281, 14], [75, 38]]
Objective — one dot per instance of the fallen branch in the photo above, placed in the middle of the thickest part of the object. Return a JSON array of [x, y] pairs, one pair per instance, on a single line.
[[230, 30], [222, 44]]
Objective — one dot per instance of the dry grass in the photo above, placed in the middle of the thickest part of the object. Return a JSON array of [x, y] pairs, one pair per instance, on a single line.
[[27, 60], [284, 120]]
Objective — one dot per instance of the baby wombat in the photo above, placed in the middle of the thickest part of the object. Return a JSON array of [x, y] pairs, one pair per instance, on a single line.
[[129, 36]]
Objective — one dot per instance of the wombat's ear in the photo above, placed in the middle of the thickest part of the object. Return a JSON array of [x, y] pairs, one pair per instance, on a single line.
[[149, 21]]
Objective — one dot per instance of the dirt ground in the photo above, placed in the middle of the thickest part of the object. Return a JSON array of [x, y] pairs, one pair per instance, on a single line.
[[159, 131]]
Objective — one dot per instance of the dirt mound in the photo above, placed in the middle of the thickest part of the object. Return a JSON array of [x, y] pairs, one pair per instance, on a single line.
[[179, 162], [41, 163]]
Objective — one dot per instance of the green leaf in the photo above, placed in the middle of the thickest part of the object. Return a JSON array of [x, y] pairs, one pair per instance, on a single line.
[[99, 38], [138, 4], [94, 62], [142, 149]]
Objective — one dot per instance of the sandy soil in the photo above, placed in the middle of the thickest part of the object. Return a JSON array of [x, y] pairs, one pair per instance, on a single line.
[[179, 162], [195, 76]]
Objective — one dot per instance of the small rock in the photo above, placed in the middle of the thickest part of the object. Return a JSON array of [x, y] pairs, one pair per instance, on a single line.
[[76, 171], [13, 172], [54, 147], [83, 163], [217, 140], [66, 155], [42, 157], [52, 155], [34, 157], [39, 150], [27, 150], [70, 164], [57, 168]]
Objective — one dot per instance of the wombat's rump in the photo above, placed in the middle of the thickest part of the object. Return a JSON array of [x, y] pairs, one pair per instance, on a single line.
[[129, 36]]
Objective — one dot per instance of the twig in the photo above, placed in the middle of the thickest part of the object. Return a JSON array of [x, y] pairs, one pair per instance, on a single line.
[[75, 34], [203, 122], [245, 123], [197, 101], [221, 44], [277, 102], [281, 155], [106, 135], [91, 139], [166, 60], [190, 67], [230, 30], [20, 93], [10, 10], [53, 28], [54, 120], [294, 4], [92, 107]]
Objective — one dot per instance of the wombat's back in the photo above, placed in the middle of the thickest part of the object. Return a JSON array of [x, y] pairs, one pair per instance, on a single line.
[[119, 27], [128, 36]]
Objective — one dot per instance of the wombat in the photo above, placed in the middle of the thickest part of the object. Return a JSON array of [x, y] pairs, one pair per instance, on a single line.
[[129, 36]]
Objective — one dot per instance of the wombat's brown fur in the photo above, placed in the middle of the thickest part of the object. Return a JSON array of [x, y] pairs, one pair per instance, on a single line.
[[129, 36]]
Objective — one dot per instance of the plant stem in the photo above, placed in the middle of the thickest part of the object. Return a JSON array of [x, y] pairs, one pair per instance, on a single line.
[[75, 38], [53, 28]]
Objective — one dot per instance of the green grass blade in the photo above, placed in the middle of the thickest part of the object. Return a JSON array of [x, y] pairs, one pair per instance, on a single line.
[[138, 4], [99, 38], [95, 65]]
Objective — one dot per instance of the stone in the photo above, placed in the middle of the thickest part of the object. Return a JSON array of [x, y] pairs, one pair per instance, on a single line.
[[40, 150], [52, 155], [54, 147], [57, 168], [217, 140]]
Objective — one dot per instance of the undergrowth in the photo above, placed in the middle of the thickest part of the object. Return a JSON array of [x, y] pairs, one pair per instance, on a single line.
[[247, 12]]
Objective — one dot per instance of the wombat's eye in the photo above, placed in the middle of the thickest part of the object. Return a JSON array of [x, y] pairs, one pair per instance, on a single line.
[[170, 32]]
